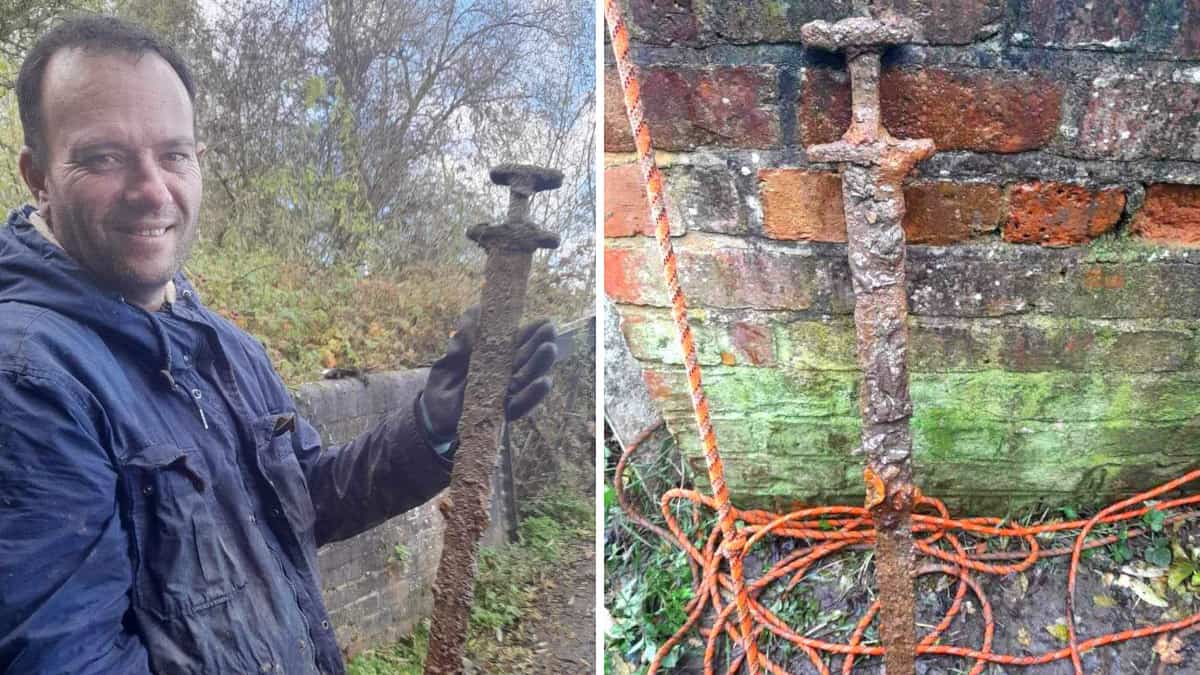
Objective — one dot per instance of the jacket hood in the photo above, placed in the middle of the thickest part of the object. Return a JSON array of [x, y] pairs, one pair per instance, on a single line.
[[36, 272]]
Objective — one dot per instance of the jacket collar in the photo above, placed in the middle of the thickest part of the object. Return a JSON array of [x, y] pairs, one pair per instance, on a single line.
[[43, 228], [35, 270]]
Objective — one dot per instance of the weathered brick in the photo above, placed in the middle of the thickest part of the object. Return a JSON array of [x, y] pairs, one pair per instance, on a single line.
[[628, 276], [1131, 116], [745, 21], [698, 197], [617, 135], [1168, 28], [1170, 215], [1055, 433], [754, 342], [717, 272], [954, 22], [960, 109], [626, 211], [688, 107], [944, 212], [981, 110], [804, 205], [823, 110], [1060, 214], [1017, 344], [704, 198], [746, 339], [663, 22]]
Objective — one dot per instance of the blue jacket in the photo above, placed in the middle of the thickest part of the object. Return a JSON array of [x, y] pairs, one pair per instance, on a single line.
[[161, 503]]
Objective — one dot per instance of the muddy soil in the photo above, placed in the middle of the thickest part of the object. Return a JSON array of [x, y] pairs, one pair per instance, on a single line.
[[559, 635], [1029, 610], [565, 634]]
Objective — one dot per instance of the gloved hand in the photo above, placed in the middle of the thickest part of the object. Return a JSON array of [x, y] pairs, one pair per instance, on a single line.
[[441, 404]]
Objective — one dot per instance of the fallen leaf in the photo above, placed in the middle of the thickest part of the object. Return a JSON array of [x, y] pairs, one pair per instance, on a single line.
[[1143, 570], [1168, 649], [1023, 636], [1103, 601], [1142, 590], [1059, 631], [1179, 573]]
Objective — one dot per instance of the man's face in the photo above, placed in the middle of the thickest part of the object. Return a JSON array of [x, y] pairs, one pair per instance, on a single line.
[[121, 185]]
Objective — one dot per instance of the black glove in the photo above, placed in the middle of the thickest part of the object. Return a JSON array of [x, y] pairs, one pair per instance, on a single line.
[[442, 401]]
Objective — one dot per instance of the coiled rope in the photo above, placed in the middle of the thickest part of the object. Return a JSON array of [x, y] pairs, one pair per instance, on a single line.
[[830, 529], [733, 540]]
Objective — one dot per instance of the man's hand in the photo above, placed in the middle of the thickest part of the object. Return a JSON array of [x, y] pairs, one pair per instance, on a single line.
[[442, 400]]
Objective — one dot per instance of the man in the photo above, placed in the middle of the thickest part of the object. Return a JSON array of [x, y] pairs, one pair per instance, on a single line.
[[161, 503]]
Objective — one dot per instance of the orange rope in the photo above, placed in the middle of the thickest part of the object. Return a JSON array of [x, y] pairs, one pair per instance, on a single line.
[[828, 530], [733, 540]]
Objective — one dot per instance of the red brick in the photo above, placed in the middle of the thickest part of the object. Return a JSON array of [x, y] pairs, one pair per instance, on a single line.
[[985, 111], [1139, 117], [1168, 28], [750, 21], [626, 212], [804, 205], [658, 386], [617, 136], [663, 21], [688, 107], [1059, 214], [953, 22], [718, 274], [1171, 215], [754, 342], [625, 275], [944, 212], [824, 107]]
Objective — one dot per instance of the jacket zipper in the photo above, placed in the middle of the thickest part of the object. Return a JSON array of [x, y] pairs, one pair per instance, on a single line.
[[195, 396]]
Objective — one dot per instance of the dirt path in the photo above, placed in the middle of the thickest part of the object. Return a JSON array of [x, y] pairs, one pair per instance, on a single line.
[[565, 634], [558, 634]]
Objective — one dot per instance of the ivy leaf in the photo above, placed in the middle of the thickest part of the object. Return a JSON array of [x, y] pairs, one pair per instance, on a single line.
[[1155, 519], [1159, 556]]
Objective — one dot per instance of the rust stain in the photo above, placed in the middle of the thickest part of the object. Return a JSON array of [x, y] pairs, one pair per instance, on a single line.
[[875, 488], [1097, 278]]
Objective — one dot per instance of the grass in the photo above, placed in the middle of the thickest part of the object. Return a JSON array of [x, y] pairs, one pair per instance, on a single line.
[[506, 590], [400, 658]]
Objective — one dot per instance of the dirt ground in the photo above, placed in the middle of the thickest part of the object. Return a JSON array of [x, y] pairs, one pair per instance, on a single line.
[[565, 634], [1029, 611], [558, 635]]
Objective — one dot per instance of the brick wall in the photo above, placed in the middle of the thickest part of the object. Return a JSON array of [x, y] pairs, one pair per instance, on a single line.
[[372, 595], [1054, 259], [375, 596]]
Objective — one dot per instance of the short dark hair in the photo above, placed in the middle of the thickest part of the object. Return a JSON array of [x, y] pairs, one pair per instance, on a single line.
[[88, 32]]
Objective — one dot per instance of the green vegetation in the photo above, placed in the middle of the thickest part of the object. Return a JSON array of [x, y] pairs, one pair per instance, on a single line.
[[404, 657], [311, 317], [646, 580], [506, 589], [339, 186]]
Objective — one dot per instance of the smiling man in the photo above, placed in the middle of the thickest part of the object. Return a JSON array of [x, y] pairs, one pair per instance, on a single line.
[[161, 503]]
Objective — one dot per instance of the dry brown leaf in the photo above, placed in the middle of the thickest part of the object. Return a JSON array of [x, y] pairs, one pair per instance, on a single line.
[[1023, 636], [1168, 648]]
